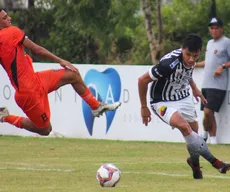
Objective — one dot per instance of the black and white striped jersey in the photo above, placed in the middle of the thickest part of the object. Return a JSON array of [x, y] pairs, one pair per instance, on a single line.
[[171, 78]]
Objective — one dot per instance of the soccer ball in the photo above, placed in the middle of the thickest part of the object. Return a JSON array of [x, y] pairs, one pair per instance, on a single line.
[[108, 175]]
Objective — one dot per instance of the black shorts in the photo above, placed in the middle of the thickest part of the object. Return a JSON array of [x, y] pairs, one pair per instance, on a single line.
[[215, 98]]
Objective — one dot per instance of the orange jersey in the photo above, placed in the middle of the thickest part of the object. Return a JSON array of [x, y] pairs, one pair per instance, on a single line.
[[16, 63]]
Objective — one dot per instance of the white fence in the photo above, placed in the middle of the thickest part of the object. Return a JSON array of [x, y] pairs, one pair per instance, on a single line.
[[71, 118]]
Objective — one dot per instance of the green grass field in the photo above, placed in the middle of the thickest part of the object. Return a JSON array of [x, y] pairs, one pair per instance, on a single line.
[[31, 164]]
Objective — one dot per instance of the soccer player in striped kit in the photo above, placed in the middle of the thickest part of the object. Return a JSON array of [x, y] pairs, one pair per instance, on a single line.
[[170, 100]]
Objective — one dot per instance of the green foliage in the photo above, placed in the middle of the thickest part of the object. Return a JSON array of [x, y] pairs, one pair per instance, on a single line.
[[85, 18], [35, 23], [105, 25], [184, 17], [113, 31], [223, 11], [41, 26], [180, 19]]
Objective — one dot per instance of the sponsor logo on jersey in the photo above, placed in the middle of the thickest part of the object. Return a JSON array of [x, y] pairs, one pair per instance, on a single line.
[[174, 63]]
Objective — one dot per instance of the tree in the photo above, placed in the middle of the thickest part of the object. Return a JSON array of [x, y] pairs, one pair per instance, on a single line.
[[180, 19], [30, 3], [104, 26], [113, 31], [159, 22], [155, 45], [8, 4]]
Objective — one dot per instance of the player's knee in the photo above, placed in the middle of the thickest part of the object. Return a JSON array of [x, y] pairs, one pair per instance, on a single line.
[[74, 77], [46, 131], [184, 127]]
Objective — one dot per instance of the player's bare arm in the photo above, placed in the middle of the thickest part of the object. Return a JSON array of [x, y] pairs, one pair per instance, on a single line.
[[221, 68], [143, 82], [197, 93], [200, 64], [41, 51]]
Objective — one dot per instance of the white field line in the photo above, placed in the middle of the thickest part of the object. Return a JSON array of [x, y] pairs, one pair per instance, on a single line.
[[99, 163], [36, 169], [31, 164], [174, 175], [150, 162], [117, 163], [144, 162], [123, 172]]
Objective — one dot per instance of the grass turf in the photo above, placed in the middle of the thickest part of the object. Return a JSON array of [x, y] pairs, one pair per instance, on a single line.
[[69, 165]]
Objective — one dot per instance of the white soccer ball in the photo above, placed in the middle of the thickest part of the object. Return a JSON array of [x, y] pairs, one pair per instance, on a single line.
[[108, 175]]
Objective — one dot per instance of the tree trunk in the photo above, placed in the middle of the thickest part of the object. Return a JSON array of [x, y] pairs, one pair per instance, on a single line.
[[30, 3], [153, 43], [159, 21], [212, 9]]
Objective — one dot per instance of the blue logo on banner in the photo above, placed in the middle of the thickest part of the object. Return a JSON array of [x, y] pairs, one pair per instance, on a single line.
[[105, 86]]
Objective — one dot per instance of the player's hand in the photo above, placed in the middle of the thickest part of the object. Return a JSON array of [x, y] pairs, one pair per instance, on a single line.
[[218, 71], [146, 115], [67, 65], [197, 94]]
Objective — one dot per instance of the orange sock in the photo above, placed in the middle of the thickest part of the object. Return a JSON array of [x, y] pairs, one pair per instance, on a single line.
[[14, 120], [90, 99]]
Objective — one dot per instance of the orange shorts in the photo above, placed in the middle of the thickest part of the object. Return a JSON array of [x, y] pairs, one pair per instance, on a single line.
[[35, 104]]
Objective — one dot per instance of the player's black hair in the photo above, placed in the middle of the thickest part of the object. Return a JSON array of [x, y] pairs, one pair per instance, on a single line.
[[193, 42]]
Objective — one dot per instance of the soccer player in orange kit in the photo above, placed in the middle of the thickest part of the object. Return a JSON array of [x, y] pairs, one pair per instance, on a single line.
[[32, 88]]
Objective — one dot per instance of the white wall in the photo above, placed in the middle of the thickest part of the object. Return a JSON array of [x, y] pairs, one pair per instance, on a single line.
[[67, 114], [223, 120]]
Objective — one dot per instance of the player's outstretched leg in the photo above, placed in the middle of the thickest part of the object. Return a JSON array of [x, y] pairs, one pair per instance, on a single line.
[[3, 113], [97, 106], [22, 122], [221, 166], [103, 107], [197, 145]]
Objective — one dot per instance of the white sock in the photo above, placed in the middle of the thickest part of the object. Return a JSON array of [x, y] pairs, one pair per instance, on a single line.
[[191, 138], [196, 146], [213, 140], [205, 134]]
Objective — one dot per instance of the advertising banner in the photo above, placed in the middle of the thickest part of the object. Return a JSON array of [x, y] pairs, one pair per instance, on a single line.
[[71, 117]]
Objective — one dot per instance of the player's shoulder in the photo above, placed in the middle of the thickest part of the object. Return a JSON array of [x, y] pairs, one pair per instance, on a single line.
[[171, 59], [12, 29]]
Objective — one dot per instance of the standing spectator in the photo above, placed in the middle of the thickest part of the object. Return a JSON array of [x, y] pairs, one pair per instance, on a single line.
[[217, 60]]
